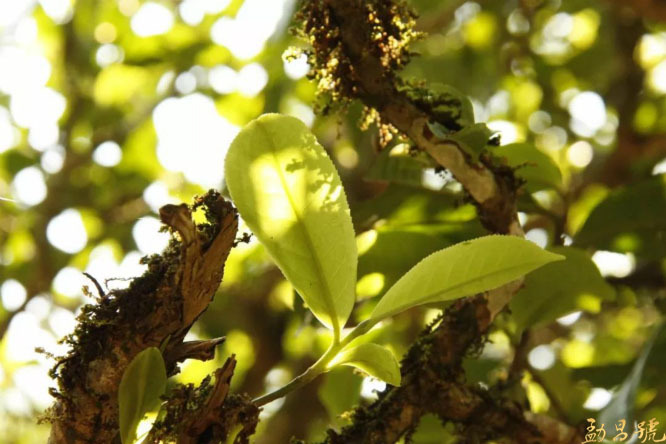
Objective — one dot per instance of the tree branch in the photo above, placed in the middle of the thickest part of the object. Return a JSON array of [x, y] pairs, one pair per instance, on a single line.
[[360, 45], [162, 304]]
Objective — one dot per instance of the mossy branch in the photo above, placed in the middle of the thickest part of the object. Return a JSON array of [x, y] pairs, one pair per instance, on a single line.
[[157, 308]]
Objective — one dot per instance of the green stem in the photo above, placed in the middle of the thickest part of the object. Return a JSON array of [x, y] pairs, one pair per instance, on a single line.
[[318, 367]]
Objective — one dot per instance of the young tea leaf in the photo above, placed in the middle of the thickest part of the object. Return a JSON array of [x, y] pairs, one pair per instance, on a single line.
[[142, 384], [463, 269], [373, 359], [289, 194]]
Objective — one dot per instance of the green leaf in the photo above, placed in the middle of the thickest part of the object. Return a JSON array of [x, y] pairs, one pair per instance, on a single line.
[[141, 387], [388, 256], [373, 359], [447, 101], [472, 139], [339, 393], [630, 219], [463, 269], [621, 405], [535, 167], [560, 288], [397, 165], [289, 194], [431, 431]]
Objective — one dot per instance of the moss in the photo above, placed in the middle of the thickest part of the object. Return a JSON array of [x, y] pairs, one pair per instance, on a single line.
[[117, 318], [389, 26], [443, 107]]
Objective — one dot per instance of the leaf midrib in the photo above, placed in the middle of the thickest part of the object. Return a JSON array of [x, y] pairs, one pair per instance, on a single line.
[[428, 298]]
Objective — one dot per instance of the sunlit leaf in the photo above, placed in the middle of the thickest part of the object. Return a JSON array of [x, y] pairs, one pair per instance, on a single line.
[[536, 168], [373, 359], [559, 288], [289, 194], [464, 269], [630, 219], [141, 387]]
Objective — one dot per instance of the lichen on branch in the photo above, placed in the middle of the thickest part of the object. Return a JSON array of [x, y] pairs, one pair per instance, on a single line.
[[156, 310]]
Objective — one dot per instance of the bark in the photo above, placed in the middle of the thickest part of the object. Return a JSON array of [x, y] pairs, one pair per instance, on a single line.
[[157, 309], [364, 43]]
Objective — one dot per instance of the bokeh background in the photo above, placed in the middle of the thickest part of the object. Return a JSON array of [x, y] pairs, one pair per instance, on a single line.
[[111, 108]]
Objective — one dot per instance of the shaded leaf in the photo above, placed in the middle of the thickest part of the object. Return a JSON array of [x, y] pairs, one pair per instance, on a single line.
[[398, 166], [560, 288], [621, 405], [340, 392], [431, 431], [388, 256], [289, 194], [141, 387], [536, 168], [464, 269], [405, 205], [630, 219], [472, 139], [449, 103], [373, 359]]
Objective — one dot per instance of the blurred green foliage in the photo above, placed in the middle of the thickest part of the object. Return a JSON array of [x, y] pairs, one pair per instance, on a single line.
[[111, 108]]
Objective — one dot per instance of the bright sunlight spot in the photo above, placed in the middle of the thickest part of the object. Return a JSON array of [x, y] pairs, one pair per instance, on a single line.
[[152, 19], [156, 195], [252, 79], [598, 399], [193, 138], [13, 294], [246, 34], [371, 386], [69, 281], [223, 79], [53, 159], [580, 154], [66, 231], [108, 154], [588, 113], [29, 186], [539, 236], [296, 68], [614, 264], [148, 237], [569, 319], [541, 357], [508, 131]]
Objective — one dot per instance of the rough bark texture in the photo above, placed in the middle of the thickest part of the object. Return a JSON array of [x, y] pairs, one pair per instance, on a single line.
[[358, 46], [157, 309], [362, 44], [433, 381]]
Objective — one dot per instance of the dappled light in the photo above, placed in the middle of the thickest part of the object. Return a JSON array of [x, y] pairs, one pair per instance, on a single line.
[[399, 135]]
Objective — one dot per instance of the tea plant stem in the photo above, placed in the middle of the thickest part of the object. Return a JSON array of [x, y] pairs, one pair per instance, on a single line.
[[318, 367]]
